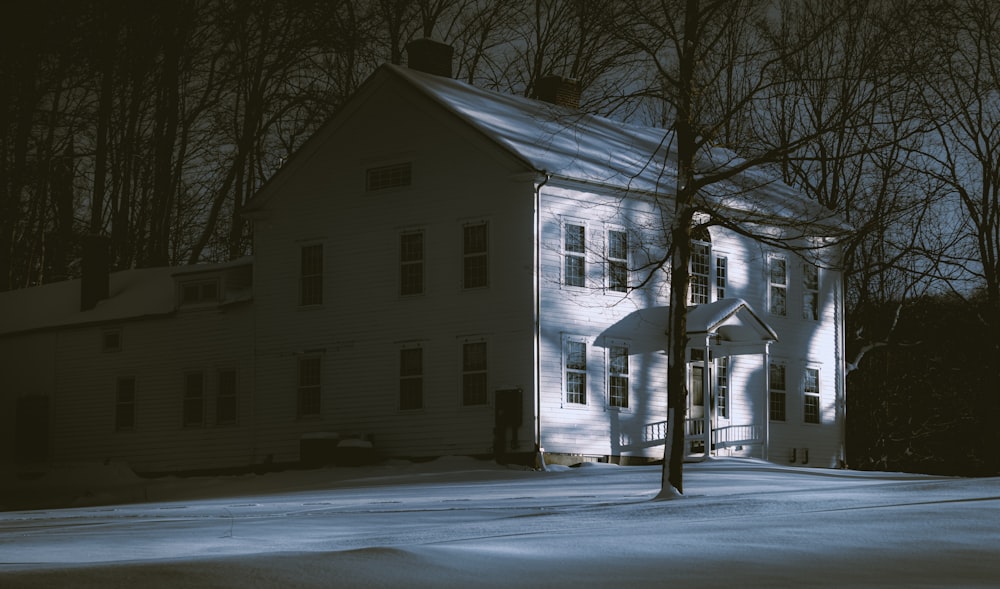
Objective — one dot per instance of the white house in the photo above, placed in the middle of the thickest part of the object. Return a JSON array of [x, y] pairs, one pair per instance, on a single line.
[[443, 269]]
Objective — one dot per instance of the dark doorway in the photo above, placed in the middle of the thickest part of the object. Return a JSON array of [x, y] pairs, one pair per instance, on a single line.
[[506, 417], [31, 430]]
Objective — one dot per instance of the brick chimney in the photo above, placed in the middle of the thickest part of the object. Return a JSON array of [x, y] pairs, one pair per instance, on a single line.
[[95, 280], [432, 57], [558, 90]]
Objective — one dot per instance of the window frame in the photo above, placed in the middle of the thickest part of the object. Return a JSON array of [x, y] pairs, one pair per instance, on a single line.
[[110, 348], [810, 291], [700, 283], [193, 401], [617, 399], [411, 382], [579, 398], [773, 288], [476, 373], [812, 412], [406, 264], [777, 405], [721, 280], [311, 278], [225, 397], [125, 404], [723, 368], [309, 390], [616, 265], [579, 257], [202, 291], [389, 176], [471, 256]]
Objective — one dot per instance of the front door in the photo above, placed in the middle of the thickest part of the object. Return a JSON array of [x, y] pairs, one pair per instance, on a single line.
[[696, 390]]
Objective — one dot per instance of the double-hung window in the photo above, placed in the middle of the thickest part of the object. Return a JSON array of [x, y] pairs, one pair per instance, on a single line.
[[411, 378], [617, 261], [411, 263], [575, 370], [618, 374], [125, 404], [721, 276], [722, 386], [309, 398], [701, 254], [778, 285], [810, 392], [225, 399], [193, 413], [810, 291], [574, 255], [777, 392], [311, 275], [474, 373], [475, 255]]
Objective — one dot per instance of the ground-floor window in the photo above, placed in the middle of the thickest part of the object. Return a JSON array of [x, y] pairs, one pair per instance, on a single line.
[[308, 401], [810, 391], [193, 412], [125, 404], [411, 378], [777, 392], [722, 386], [474, 373], [618, 375], [575, 370], [225, 400]]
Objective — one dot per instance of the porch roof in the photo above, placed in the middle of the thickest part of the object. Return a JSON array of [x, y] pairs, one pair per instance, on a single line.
[[730, 320]]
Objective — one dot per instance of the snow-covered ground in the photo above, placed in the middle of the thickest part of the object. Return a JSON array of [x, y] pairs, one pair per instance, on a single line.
[[461, 523]]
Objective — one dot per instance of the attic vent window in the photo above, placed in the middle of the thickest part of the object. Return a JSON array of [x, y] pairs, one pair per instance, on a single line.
[[392, 176]]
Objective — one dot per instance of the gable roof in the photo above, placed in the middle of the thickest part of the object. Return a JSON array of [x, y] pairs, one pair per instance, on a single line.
[[573, 145], [733, 320]]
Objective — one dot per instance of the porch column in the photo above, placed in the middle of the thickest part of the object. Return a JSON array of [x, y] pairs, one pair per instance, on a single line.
[[766, 413], [706, 386]]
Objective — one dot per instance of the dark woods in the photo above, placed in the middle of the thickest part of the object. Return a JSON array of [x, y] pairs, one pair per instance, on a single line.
[[152, 123]]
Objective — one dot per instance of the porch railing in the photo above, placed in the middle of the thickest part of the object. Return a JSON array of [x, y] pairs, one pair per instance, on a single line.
[[694, 431]]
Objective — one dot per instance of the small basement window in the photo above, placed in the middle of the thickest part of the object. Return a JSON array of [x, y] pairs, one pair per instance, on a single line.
[[205, 291], [393, 176]]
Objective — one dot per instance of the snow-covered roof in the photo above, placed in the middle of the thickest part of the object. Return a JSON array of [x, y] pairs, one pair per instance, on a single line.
[[580, 146], [132, 294], [732, 319]]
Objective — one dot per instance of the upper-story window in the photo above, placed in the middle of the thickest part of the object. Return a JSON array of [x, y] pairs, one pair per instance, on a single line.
[[311, 275], [391, 176], [199, 291], [777, 285], [701, 255], [721, 276], [810, 291], [574, 255], [411, 263], [776, 409], [617, 261], [475, 255]]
